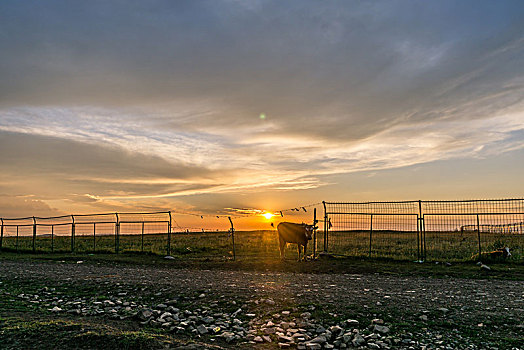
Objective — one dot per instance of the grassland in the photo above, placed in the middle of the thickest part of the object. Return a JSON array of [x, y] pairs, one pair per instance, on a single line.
[[439, 246], [20, 333]]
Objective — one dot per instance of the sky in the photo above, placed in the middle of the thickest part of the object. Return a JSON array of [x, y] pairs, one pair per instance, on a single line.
[[228, 107]]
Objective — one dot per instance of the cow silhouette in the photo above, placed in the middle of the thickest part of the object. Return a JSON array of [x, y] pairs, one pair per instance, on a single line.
[[300, 234]]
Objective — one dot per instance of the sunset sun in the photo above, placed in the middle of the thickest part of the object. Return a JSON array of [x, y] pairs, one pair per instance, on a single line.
[[268, 215]]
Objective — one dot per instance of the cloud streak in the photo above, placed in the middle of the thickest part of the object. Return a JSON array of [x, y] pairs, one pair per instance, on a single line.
[[252, 161]]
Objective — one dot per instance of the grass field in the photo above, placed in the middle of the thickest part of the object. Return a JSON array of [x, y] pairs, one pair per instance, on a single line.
[[440, 246]]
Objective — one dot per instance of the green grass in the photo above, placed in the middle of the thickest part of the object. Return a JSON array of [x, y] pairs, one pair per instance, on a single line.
[[440, 246], [325, 264], [19, 333], [181, 244]]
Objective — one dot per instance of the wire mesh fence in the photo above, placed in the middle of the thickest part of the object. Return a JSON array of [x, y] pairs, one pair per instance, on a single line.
[[425, 230], [408, 230], [159, 233], [373, 229], [112, 233], [14, 231], [473, 227]]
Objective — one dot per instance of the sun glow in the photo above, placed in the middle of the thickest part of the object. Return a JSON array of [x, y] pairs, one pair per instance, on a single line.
[[268, 215]]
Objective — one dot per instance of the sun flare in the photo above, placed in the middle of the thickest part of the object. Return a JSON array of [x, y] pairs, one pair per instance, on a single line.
[[268, 215]]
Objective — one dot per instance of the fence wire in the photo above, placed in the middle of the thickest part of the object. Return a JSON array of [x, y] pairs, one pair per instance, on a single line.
[[429, 230], [114, 233], [407, 230]]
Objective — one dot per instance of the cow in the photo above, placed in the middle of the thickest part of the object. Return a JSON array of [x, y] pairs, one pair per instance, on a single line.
[[289, 232]]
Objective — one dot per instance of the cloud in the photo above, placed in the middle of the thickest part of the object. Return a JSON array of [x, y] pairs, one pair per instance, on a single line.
[[105, 176], [16, 206], [136, 161], [60, 169]]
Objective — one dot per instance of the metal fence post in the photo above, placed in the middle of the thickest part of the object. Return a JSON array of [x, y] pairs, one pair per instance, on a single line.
[[314, 232], [94, 237], [233, 237], [117, 234], [52, 238], [72, 234], [370, 234], [424, 236], [325, 227], [418, 238], [422, 232], [34, 234], [169, 235], [478, 232], [17, 238], [2, 234], [143, 236]]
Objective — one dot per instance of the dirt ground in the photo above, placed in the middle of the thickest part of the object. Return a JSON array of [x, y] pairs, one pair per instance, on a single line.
[[436, 312]]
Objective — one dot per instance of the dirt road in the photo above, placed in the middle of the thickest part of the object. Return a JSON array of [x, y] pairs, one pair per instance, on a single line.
[[419, 312]]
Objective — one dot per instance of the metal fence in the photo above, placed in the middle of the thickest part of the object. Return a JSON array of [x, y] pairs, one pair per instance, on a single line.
[[408, 230], [425, 230], [112, 233]]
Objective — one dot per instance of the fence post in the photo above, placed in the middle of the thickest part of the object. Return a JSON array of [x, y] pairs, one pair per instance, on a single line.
[[94, 237], [2, 234], [52, 238], [478, 232], [117, 234], [233, 237], [424, 236], [72, 234], [370, 234], [169, 235], [422, 232], [17, 238], [418, 238], [34, 234], [314, 232], [142, 236], [325, 227], [423, 224]]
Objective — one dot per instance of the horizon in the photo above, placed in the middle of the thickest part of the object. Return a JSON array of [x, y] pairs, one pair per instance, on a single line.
[[250, 107]]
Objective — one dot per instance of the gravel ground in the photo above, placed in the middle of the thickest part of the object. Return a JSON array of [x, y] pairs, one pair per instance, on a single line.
[[305, 311]]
